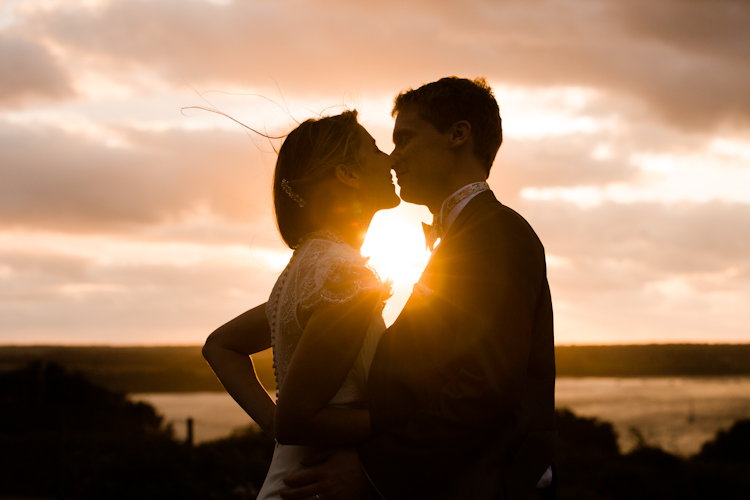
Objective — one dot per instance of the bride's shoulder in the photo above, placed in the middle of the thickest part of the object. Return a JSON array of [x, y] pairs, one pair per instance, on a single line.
[[328, 268]]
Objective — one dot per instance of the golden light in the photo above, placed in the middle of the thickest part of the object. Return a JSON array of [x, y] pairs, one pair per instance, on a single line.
[[395, 245]]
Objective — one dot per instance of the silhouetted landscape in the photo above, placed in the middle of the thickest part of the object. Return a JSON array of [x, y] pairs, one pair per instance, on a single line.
[[63, 436], [656, 360], [135, 369], [183, 369]]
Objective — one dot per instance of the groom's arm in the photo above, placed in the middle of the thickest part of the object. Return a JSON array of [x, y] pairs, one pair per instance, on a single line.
[[493, 288]]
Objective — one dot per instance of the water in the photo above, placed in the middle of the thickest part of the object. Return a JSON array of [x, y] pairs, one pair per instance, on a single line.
[[215, 414], [676, 414]]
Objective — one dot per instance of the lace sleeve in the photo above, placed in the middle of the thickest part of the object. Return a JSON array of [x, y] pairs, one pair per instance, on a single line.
[[334, 273]]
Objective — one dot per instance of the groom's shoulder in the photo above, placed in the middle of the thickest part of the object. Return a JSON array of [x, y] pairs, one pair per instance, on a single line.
[[503, 220]]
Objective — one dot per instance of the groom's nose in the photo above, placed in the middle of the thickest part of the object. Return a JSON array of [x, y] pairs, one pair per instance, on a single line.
[[395, 159]]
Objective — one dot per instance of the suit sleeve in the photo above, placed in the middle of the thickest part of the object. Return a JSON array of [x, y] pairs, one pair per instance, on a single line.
[[486, 297]]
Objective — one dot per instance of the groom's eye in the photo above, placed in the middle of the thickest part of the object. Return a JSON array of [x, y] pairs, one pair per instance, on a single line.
[[400, 139]]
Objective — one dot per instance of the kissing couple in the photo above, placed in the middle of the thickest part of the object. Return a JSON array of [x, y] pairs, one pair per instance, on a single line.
[[455, 400]]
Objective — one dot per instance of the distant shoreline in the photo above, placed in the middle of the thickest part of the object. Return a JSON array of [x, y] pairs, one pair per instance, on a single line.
[[154, 369]]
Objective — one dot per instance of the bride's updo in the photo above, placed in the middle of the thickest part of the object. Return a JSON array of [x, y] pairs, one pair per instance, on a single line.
[[307, 157]]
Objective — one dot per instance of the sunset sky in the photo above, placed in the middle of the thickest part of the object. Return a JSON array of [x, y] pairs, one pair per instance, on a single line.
[[126, 219]]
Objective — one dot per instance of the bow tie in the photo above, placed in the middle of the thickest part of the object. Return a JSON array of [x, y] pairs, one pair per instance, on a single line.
[[432, 232]]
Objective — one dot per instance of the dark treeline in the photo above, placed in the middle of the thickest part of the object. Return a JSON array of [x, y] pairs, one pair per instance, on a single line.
[[591, 466], [657, 360], [134, 369], [62, 436], [182, 368]]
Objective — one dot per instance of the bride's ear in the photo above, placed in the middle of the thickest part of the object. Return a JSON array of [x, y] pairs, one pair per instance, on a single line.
[[347, 175]]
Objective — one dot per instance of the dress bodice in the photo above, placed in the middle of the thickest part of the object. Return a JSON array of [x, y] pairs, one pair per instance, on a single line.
[[324, 269]]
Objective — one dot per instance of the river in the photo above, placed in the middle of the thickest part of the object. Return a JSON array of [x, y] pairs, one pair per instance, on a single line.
[[676, 414]]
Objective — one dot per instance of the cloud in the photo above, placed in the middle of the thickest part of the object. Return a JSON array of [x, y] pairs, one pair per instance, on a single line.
[[40, 267], [571, 160], [619, 273], [636, 49], [677, 239], [29, 73], [61, 180], [111, 221], [123, 293], [646, 272], [717, 29]]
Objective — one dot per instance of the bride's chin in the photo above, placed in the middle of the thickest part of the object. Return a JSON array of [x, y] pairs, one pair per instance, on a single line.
[[387, 201]]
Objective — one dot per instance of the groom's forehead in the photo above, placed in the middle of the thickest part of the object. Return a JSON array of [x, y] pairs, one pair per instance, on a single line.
[[409, 121]]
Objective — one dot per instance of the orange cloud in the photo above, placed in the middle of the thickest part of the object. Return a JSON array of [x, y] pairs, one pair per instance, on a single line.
[[689, 73], [657, 79], [29, 73], [60, 180]]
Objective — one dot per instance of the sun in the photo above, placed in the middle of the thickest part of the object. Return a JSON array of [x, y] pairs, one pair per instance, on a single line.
[[395, 245]]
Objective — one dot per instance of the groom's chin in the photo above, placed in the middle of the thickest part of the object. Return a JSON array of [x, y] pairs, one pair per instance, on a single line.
[[410, 199]]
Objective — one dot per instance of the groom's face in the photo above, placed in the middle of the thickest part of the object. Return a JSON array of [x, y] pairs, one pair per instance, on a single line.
[[419, 158]]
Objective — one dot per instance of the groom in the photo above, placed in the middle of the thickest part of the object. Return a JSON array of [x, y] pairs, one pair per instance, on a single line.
[[461, 389]]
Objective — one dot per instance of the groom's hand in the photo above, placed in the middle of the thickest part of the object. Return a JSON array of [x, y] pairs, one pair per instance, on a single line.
[[336, 475]]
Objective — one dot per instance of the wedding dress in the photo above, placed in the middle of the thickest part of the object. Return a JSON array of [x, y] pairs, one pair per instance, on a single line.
[[324, 269]]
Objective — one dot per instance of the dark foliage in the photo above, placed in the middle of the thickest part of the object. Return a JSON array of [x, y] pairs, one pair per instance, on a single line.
[[583, 444], [591, 466], [46, 398], [731, 446], [237, 465], [63, 437], [133, 369], [657, 360], [580, 436], [183, 369]]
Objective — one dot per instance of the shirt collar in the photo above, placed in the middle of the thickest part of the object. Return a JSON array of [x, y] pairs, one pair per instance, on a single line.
[[456, 202]]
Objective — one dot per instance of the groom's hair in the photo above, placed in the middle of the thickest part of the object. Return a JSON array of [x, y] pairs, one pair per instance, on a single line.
[[452, 99]]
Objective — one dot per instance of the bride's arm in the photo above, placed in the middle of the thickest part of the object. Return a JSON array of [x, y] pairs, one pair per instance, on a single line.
[[228, 351], [329, 346]]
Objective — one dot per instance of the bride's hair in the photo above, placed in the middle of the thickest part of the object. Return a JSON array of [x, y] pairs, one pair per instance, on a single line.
[[308, 156]]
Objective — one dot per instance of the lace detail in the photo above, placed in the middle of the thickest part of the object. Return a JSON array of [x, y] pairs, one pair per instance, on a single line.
[[323, 269]]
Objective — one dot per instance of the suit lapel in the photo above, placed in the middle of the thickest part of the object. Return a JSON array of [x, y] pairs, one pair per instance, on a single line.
[[403, 359], [481, 199], [435, 271]]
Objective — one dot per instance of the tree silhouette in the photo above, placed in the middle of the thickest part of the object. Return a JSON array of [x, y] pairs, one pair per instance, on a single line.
[[732, 445], [64, 437]]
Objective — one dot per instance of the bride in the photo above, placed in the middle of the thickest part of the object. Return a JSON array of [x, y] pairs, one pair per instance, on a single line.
[[324, 313]]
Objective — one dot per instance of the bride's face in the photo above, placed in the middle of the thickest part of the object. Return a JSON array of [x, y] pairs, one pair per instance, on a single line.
[[376, 184]]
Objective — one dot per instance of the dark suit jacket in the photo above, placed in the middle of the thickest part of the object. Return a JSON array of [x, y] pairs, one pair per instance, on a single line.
[[461, 389]]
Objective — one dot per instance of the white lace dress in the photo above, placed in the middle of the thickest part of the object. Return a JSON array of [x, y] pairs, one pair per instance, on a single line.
[[323, 269]]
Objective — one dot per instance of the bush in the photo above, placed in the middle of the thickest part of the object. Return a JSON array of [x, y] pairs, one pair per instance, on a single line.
[[731, 446], [64, 437]]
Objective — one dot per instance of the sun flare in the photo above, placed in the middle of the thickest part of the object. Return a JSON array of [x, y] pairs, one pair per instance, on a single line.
[[395, 245], [396, 249]]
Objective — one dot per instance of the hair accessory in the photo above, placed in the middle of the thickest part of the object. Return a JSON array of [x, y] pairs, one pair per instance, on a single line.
[[294, 196]]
